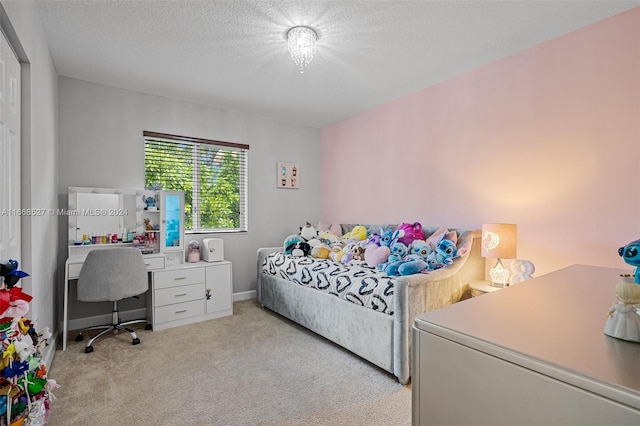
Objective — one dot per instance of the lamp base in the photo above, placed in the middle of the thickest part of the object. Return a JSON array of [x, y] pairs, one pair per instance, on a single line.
[[499, 275]]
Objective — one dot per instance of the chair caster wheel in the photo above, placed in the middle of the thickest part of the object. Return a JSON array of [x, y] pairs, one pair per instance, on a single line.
[[148, 327], [136, 341], [88, 349], [79, 338]]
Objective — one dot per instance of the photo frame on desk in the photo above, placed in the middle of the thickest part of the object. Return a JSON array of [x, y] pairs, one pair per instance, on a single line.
[[287, 175]]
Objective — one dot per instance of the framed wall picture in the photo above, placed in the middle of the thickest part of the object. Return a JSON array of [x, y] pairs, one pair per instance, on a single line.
[[288, 175]]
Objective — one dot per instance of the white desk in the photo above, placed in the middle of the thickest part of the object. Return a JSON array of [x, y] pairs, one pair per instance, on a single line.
[[178, 294], [534, 353]]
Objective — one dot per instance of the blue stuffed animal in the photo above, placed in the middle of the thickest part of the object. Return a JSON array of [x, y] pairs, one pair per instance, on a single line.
[[420, 248], [631, 255], [416, 260], [398, 252], [386, 237], [446, 251]]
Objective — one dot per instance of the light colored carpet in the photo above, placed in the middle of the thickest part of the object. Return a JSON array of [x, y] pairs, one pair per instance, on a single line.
[[252, 368]]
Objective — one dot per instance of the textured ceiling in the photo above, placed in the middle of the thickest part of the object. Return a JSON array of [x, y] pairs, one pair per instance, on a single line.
[[233, 54]]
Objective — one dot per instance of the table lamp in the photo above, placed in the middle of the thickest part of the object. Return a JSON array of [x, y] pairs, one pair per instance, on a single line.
[[499, 241]]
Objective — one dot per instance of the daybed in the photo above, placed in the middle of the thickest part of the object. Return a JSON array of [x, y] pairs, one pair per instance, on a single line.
[[381, 336]]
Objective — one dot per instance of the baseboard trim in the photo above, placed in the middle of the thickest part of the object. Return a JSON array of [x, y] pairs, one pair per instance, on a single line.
[[245, 295], [80, 323]]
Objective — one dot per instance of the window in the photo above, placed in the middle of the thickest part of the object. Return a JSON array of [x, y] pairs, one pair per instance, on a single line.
[[212, 174]]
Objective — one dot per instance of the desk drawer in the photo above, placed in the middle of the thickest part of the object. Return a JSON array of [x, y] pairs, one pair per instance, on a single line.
[[185, 293], [179, 277], [179, 310], [153, 263]]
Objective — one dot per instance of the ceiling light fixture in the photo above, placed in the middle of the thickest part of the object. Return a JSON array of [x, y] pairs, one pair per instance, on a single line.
[[302, 45]]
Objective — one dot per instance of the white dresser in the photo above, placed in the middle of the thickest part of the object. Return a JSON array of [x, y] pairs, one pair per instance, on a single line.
[[191, 292], [530, 354]]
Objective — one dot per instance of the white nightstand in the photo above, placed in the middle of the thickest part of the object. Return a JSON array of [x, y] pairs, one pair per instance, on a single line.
[[479, 288]]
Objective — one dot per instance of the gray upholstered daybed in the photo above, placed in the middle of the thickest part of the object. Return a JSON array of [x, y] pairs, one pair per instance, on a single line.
[[383, 338]]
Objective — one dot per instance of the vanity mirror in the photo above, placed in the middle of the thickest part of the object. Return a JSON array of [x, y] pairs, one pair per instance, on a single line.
[[102, 211]]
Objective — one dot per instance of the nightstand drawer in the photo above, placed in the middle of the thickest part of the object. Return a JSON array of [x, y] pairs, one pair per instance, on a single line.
[[179, 310], [178, 277], [185, 293]]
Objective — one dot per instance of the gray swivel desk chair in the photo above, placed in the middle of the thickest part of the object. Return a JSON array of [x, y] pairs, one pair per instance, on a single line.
[[112, 274]]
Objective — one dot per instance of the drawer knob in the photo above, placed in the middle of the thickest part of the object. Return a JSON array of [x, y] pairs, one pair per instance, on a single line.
[[180, 295], [180, 278], [179, 312]]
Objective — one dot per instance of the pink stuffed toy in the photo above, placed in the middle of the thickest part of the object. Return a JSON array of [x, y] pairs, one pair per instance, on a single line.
[[375, 255], [412, 232]]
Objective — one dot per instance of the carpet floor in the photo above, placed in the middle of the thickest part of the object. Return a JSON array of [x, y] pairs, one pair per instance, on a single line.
[[252, 368]]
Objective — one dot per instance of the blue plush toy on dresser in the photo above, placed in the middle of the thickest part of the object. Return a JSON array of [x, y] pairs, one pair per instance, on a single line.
[[631, 255]]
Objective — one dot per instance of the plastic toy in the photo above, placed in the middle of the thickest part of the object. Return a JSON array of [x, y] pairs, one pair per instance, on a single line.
[[151, 202], [631, 255], [622, 320]]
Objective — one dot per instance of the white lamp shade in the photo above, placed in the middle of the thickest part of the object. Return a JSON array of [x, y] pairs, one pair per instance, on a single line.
[[499, 240]]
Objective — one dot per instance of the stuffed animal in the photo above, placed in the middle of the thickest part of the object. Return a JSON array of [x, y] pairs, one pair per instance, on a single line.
[[375, 255], [327, 237], [395, 259], [310, 235], [412, 266], [357, 252], [398, 252], [420, 248], [358, 233], [321, 251], [386, 238], [374, 238], [412, 232], [631, 255], [290, 242], [334, 228], [416, 261], [300, 249], [446, 251]]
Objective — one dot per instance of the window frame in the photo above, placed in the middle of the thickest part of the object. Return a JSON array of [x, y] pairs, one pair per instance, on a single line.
[[149, 136]]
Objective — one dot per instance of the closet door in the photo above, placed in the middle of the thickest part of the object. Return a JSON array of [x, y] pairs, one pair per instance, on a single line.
[[10, 213]]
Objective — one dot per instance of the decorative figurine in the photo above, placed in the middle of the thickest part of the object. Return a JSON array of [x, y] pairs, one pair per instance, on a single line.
[[151, 203], [631, 255], [623, 321]]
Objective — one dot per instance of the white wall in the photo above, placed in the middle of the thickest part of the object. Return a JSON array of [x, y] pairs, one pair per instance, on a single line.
[[21, 22], [101, 145]]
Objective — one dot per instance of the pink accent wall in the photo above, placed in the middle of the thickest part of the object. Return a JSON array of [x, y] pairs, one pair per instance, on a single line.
[[548, 138]]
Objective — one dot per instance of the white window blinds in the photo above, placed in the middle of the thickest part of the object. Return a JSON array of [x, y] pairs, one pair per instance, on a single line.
[[212, 174]]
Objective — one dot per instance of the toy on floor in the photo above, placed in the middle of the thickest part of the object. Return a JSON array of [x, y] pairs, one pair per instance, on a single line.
[[24, 388]]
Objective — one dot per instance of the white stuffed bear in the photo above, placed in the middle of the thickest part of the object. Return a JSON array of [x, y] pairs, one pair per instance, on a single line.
[[310, 235]]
